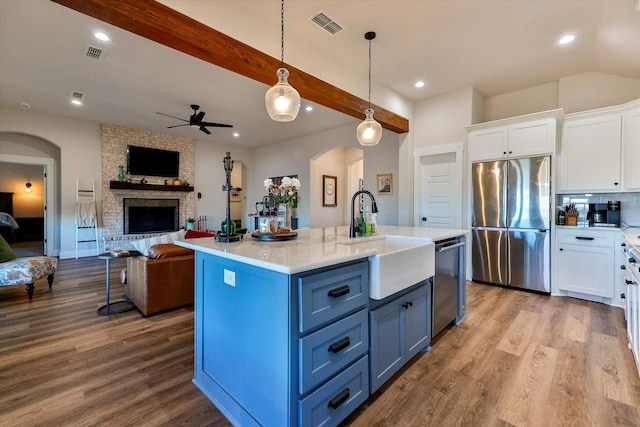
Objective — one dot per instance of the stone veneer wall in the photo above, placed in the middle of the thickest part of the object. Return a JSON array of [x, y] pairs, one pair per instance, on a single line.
[[114, 153]]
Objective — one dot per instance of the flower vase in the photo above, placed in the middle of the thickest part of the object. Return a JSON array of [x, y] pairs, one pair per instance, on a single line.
[[120, 173], [284, 216]]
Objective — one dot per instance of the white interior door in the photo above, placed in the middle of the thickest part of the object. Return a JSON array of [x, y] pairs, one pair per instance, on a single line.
[[439, 186]]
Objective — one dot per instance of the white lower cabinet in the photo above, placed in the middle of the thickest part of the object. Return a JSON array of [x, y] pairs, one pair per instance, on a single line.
[[585, 261], [631, 278]]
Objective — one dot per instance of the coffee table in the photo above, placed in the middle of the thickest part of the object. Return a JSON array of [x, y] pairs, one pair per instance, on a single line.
[[115, 307]]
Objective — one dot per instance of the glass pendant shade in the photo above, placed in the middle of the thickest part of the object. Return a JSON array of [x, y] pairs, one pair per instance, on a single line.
[[369, 131], [282, 100]]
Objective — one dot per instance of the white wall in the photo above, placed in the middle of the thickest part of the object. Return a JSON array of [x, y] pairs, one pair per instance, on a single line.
[[80, 146], [293, 157], [591, 90], [531, 100], [441, 119], [210, 177]]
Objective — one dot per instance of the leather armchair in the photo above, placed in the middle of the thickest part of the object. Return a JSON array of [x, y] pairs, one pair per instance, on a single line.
[[162, 281]]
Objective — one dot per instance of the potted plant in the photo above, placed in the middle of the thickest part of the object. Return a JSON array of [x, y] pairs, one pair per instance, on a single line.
[[190, 223]]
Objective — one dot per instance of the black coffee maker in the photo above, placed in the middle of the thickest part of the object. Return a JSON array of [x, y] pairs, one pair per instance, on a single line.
[[604, 214]]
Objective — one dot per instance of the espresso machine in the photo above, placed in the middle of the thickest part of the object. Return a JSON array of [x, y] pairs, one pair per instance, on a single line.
[[604, 214]]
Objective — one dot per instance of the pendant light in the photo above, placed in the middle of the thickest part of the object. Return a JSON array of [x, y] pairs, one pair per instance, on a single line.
[[369, 131], [27, 186], [282, 100]]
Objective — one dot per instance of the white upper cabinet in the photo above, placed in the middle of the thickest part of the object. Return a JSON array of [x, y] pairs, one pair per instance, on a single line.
[[523, 136], [631, 149], [590, 154]]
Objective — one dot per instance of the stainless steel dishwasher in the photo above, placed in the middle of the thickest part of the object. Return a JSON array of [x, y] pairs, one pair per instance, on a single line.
[[444, 307]]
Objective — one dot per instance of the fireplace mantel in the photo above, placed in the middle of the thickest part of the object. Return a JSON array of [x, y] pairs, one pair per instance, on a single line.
[[117, 185]]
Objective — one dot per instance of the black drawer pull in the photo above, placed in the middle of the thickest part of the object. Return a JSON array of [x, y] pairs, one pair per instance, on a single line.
[[338, 292], [585, 238], [628, 282], [406, 305], [339, 345], [339, 399]]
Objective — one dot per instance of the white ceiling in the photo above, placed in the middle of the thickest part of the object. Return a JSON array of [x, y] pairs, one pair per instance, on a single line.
[[497, 46]]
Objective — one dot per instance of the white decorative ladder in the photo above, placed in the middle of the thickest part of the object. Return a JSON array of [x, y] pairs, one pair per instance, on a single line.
[[86, 216]]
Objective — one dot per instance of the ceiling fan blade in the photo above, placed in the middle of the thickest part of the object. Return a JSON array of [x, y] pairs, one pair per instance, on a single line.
[[217, 125], [173, 117], [176, 126], [199, 117], [205, 130]]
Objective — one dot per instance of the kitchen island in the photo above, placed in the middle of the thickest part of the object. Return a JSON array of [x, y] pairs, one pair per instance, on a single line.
[[282, 333]]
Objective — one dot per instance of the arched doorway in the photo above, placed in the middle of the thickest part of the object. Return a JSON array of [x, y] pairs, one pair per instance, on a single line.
[[345, 164], [33, 152]]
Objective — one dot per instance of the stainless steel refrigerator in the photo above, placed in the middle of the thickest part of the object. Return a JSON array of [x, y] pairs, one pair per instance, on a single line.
[[511, 221]]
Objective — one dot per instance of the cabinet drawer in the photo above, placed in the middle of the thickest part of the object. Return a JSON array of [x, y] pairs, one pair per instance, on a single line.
[[335, 400], [587, 237], [325, 352], [331, 294]]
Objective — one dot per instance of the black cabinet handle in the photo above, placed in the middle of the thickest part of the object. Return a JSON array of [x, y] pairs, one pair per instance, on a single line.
[[615, 183], [407, 304], [561, 249], [424, 218], [585, 238], [628, 282], [339, 399], [339, 345], [623, 267], [338, 292]]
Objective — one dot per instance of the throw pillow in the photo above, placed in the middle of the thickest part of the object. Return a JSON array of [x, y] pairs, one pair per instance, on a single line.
[[143, 245], [190, 234], [6, 253]]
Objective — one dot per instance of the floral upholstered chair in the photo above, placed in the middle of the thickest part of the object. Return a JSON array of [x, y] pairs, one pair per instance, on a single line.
[[26, 270]]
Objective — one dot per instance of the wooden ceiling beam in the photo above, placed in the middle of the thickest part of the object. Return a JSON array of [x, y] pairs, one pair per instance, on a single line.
[[169, 27]]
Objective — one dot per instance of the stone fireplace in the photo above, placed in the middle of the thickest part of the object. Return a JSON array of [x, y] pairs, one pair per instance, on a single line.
[[115, 140]]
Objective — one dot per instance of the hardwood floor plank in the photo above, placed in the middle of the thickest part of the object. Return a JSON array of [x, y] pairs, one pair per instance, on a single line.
[[518, 337], [526, 397], [577, 323]]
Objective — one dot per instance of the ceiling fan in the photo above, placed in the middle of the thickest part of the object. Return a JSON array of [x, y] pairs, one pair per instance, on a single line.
[[195, 121]]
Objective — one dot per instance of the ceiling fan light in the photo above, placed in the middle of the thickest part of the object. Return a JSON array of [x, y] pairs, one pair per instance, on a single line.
[[369, 132], [282, 100]]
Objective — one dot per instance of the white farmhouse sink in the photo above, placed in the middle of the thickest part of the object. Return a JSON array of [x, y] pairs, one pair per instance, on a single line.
[[397, 263]]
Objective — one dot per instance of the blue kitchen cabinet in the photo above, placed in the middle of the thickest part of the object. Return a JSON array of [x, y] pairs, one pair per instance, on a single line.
[[273, 349], [399, 329]]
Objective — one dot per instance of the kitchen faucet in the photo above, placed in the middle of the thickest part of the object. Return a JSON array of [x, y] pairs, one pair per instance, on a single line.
[[374, 209]]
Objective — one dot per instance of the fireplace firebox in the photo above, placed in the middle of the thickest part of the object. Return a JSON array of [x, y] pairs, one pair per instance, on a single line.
[[151, 215]]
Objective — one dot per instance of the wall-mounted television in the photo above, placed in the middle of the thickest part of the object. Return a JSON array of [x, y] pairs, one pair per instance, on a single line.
[[147, 161]]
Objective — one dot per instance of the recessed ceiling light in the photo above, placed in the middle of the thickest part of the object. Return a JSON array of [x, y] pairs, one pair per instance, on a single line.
[[419, 83], [236, 135], [76, 102], [308, 108], [567, 39], [102, 36]]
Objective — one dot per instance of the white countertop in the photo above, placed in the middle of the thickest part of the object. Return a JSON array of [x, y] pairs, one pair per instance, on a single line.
[[313, 248], [632, 235]]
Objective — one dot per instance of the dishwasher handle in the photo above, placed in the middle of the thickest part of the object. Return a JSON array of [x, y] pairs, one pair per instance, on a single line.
[[445, 248]]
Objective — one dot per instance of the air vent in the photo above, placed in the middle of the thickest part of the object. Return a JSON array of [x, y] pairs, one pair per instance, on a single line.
[[77, 97], [326, 23], [94, 52]]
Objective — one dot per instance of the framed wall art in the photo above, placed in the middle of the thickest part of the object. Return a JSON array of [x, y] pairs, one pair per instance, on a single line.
[[329, 190], [384, 183]]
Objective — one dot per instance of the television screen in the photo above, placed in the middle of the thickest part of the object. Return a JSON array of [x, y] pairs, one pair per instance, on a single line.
[[152, 162]]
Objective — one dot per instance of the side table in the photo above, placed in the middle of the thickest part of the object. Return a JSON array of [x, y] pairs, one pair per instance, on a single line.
[[116, 306]]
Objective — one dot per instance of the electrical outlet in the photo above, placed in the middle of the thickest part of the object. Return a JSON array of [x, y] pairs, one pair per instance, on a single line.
[[229, 277]]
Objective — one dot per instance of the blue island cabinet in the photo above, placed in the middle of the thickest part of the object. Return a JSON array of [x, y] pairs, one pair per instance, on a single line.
[[273, 349], [400, 329]]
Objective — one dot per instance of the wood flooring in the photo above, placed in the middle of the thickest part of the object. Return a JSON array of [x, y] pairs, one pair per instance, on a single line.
[[518, 359]]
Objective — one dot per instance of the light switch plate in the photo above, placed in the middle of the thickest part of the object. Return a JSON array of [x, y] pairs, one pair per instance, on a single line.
[[229, 277]]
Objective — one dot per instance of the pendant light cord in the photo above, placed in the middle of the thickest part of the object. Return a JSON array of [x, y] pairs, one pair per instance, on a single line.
[[281, 33], [369, 73]]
